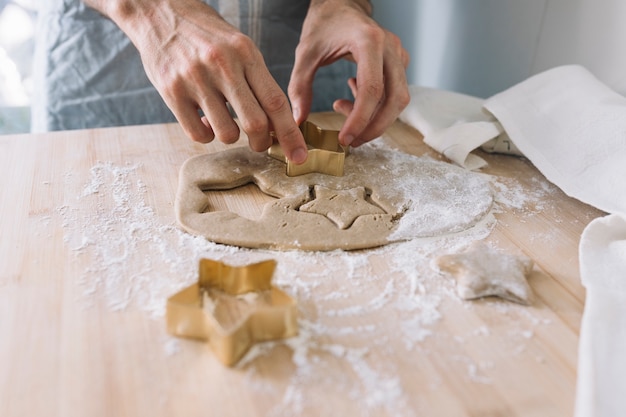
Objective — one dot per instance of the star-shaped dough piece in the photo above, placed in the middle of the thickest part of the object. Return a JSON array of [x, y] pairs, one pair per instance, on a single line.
[[482, 271], [342, 207]]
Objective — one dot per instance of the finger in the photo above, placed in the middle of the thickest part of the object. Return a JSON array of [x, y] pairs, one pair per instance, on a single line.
[[343, 106], [219, 118], [189, 119], [370, 90], [395, 99], [251, 116], [300, 89], [352, 85], [276, 106]]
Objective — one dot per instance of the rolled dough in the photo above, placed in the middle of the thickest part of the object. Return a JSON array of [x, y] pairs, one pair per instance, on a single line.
[[384, 196]]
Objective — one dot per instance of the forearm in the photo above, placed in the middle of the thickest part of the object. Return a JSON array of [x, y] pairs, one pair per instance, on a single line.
[[152, 24]]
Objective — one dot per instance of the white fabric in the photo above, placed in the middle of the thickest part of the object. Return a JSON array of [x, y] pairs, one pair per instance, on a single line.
[[602, 351], [455, 124], [573, 128]]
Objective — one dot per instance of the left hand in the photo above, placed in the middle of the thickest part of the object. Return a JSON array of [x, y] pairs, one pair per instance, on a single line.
[[336, 29]]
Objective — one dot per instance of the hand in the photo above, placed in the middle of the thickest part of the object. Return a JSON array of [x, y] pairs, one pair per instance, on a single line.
[[197, 61], [335, 29]]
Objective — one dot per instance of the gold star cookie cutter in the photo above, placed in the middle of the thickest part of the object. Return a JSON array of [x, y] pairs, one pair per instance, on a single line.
[[232, 308], [326, 154]]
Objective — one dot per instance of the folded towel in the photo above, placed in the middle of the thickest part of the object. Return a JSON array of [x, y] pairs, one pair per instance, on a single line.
[[573, 128], [455, 124]]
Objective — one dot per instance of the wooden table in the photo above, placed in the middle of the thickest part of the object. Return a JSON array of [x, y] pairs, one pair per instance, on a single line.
[[90, 252]]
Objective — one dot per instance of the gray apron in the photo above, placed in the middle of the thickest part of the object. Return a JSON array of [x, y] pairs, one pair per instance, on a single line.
[[88, 74]]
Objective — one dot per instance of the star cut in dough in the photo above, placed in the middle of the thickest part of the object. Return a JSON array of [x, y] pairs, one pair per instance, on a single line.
[[342, 207], [482, 271]]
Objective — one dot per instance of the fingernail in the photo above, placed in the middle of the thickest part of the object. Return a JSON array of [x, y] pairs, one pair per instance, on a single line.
[[299, 155], [296, 114], [348, 139]]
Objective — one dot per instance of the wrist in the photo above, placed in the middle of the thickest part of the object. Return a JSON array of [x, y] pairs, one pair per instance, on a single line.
[[121, 11], [136, 18], [132, 16], [364, 6]]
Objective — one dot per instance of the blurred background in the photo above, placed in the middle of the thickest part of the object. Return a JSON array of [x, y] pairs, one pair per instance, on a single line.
[[17, 28], [477, 47]]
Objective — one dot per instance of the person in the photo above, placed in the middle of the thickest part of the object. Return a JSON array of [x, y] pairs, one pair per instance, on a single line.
[[266, 61]]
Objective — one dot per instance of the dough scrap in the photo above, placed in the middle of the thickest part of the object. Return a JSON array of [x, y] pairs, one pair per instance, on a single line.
[[406, 197], [482, 271]]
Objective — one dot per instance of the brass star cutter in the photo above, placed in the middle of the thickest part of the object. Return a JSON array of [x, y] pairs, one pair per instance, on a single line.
[[232, 308], [326, 154]]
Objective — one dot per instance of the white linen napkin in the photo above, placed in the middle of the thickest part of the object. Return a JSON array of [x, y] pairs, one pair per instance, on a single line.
[[455, 124], [573, 128]]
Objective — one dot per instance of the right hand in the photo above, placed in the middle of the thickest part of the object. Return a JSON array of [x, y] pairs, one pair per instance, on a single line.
[[198, 61]]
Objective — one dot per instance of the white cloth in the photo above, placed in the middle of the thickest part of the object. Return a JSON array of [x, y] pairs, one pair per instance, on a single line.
[[602, 350], [573, 128], [455, 124]]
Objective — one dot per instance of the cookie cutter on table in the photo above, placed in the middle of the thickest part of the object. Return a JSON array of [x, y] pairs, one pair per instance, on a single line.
[[191, 313], [326, 154]]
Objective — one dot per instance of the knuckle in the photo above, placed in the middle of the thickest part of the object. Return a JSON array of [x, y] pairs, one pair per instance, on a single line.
[[403, 98], [394, 40], [188, 71], [244, 49], [214, 55], [374, 33], [169, 83], [395, 45], [255, 126], [275, 102], [241, 43]]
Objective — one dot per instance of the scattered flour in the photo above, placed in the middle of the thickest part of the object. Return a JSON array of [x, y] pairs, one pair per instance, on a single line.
[[137, 258]]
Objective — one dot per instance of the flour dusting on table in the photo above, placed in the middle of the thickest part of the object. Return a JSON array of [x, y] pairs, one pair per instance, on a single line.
[[347, 304]]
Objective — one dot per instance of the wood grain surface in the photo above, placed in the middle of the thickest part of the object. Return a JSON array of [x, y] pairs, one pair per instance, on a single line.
[[90, 252]]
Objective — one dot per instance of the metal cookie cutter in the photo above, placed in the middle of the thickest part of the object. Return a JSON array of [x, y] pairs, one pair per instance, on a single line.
[[232, 308], [326, 155]]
